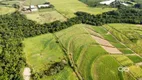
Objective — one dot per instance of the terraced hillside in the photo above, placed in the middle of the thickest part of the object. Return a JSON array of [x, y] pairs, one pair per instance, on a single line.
[[87, 58]]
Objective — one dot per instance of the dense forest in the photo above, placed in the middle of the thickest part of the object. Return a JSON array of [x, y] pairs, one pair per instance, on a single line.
[[15, 27]]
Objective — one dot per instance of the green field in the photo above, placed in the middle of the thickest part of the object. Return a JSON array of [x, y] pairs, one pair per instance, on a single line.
[[91, 60], [45, 16], [129, 34], [69, 7], [42, 51]]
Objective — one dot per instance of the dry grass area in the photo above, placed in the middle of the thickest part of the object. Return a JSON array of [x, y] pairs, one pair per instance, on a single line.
[[106, 45]]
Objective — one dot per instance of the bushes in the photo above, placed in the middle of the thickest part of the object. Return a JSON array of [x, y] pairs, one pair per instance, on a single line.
[[54, 69]]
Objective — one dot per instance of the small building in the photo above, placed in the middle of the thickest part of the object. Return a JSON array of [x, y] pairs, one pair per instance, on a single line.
[[108, 2], [33, 8], [44, 6]]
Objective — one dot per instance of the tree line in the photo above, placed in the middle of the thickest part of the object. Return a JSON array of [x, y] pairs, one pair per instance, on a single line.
[[15, 27]]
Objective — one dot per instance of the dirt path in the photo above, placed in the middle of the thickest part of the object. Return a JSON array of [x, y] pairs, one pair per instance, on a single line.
[[105, 44], [26, 73]]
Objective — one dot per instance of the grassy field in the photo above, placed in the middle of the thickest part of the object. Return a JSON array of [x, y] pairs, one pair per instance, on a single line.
[[41, 51], [69, 7], [34, 2], [129, 34], [45, 16], [6, 10]]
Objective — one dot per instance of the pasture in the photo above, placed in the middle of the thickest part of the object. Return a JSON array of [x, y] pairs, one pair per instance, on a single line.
[[69, 7], [45, 16], [42, 51]]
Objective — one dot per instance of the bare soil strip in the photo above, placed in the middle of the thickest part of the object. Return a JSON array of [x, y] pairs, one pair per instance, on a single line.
[[109, 47]]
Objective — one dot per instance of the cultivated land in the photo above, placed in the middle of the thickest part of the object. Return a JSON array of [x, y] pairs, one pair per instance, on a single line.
[[129, 34], [45, 16], [90, 59], [69, 7]]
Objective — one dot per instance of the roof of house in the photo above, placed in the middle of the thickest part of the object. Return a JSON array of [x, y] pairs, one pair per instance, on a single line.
[[107, 2]]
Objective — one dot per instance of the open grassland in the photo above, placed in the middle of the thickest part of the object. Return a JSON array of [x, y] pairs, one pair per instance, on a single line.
[[45, 16], [106, 68], [41, 51], [129, 34], [6, 10], [34, 2], [69, 7], [66, 74]]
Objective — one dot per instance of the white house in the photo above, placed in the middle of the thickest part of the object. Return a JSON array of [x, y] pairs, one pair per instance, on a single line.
[[44, 5], [108, 2]]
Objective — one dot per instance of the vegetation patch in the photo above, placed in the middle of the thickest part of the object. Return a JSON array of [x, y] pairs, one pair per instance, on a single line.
[[42, 51]]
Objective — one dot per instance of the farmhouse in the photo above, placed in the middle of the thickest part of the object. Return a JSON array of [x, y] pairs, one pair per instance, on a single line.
[[43, 6], [108, 2], [33, 8]]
